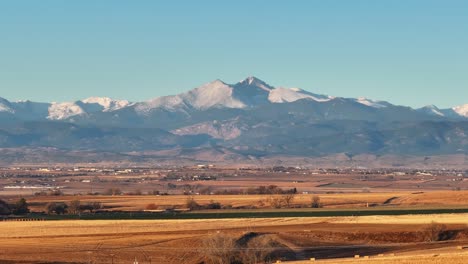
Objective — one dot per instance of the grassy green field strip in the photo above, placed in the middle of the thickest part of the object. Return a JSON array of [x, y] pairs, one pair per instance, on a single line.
[[243, 214]]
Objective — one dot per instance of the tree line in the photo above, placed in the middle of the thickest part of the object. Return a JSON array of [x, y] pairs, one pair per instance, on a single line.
[[20, 207]]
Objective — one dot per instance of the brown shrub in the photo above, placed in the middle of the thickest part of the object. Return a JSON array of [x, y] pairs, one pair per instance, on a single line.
[[434, 231], [151, 206]]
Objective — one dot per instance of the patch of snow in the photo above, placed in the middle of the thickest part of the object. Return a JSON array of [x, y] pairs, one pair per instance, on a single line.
[[371, 103], [432, 109], [461, 110], [107, 103], [171, 103], [59, 111], [212, 94], [287, 95], [5, 106]]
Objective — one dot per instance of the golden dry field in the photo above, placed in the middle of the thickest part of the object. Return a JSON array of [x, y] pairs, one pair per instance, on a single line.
[[187, 241], [450, 257]]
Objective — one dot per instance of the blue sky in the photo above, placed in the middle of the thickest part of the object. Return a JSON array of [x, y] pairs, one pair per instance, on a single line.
[[408, 52]]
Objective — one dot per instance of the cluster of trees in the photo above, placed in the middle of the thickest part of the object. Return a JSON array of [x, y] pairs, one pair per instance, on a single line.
[[273, 201], [54, 192], [118, 191], [21, 207], [74, 207], [287, 201], [110, 191], [270, 189], [193, 205], [278, 201]]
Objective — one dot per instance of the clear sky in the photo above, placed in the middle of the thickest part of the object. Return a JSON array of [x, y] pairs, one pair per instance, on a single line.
[[409, 52]]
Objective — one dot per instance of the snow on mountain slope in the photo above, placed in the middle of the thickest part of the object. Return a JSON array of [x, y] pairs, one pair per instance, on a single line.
[[287, 95], [249, 92], [216, 94], [171, 103], [107, 103], [431, 110], [213, 94], [461, 110], [64, 110], [59, 111], [372, 103], [5, 106]]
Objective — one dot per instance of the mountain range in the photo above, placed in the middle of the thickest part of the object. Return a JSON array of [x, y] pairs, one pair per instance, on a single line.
[[249, 120]]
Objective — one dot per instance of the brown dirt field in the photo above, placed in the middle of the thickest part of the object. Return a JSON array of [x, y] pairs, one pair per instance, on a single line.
[[344, 200], [434, 198], [181, 241]]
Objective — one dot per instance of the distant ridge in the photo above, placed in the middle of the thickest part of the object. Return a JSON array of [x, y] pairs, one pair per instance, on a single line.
[[247, 121], [247, 93]]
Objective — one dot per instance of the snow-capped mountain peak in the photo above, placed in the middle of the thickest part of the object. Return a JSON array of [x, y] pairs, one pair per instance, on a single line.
[[59, 111], [107, 103], [64, 110], [252, 81], [212, 94]]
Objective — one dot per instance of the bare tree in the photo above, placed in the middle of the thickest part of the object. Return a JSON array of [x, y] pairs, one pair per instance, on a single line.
[[219, 249], [288, 199], [74, 207], [274, 201], [192, 204], [316, 202]]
